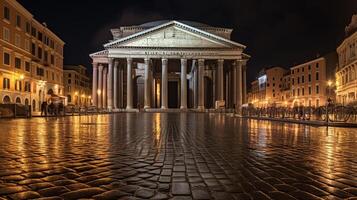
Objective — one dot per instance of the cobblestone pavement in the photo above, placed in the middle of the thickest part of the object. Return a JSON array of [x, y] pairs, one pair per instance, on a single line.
[[174, 156]]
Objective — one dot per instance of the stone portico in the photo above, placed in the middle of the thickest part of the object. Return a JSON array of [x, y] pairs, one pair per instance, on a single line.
[[170, 64]]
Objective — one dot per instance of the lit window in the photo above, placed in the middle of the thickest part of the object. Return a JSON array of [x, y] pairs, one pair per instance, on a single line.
[[6, 34]]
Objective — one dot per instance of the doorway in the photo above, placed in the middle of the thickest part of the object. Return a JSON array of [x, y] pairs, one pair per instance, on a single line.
[[173, 95]]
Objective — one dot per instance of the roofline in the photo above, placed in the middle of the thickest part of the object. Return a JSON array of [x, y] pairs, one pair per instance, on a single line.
[[49, 31], [96, 53], [345, 40], [169, 23], [308, 62]]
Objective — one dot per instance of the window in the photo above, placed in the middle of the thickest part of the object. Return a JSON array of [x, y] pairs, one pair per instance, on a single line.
[[298, 70], [317, 76], [293, 92], [298, 92], [28, 27], [303, 69], [317, 89], [33, 31], [303, 91], [302, 79], [18, 85], [52, 60], [27, 45], [17, 62], [27, 66], [6, 83], [18, 21], [45, 56], [298, 80], [27, 86], [39, 52], [40, 71], [6, 34], [17, 40], [317, 102], [309, 90], [293, 81], [6, 58], [273, 84], [33, 49], [7, 13], [317, 65], [309, 67], [69, 81], [39, 36], [309, 77]]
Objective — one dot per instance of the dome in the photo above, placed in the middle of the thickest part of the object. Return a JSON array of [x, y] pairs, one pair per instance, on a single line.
[[159, 22]]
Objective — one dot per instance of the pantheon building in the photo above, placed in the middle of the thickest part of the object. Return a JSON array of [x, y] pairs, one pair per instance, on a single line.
[[170, 65]]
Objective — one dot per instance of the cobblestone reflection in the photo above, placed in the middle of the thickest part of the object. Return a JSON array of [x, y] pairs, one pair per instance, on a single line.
[[174, 155]]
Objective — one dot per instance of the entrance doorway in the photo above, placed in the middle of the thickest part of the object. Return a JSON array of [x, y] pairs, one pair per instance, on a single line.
[[173, 95]]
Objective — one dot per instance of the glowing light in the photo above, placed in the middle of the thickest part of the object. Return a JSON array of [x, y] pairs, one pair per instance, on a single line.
[[76, 93], [22, 77], [99, 92], [329, 83]]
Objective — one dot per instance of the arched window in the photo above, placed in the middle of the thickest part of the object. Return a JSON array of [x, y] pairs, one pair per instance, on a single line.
[[69, 98], [26, 102], [6, 100], [18, 100]]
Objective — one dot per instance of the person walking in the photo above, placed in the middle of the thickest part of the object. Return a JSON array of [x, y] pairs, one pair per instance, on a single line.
[[44, 108]]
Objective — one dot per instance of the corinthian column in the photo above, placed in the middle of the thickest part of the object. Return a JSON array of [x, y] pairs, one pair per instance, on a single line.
[[129, 87], [201, 92], [115, 84], [239, 86], [220, 79], [100, 86], [147, 84], [95, 86], [110, 84], [105, 88], [183, 84], [164, 84]]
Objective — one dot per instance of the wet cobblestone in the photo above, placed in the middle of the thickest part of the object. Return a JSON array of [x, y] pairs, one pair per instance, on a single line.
[[174, 156]]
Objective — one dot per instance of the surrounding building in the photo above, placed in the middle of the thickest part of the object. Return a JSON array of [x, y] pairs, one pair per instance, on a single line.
[[307, 84], [31, 61], [77, 88], [346, 74], [312, 83], [170, 64], [267, 89]]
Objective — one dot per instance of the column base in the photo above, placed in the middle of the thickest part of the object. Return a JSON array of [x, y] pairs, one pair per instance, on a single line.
[[183, 107], [201, 108], [146, 107], [163, 107], [129, 108]]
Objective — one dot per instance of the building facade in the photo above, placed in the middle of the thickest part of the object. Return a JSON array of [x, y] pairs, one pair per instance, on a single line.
[[346, 74], [169, 64], [307, 84], [77, 85], [267, 89], [31, 61]]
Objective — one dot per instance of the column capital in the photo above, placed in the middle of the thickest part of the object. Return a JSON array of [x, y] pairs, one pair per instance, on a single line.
[[201, 62], [146, 60], [95, 65], [100, 66], [129, 60], [184, 61], [116, 62], [164, 61], [220, 61]]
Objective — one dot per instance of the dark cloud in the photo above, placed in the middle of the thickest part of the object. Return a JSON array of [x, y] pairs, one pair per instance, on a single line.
[[279, 32]]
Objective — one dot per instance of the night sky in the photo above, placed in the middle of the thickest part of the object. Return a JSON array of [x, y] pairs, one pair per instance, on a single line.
[[276, 32]]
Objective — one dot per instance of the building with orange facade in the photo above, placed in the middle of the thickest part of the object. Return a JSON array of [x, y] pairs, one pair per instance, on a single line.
[[77, 85], [307, 84], [267, 89], [346, 74], [31, 61]]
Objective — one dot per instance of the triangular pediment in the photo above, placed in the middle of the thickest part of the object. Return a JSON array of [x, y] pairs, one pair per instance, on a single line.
[[174, 35]]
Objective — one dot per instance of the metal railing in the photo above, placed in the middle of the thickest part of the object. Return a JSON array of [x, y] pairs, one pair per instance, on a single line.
[[329, 113]]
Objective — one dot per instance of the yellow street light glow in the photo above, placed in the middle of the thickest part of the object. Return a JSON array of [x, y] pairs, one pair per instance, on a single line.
[[76, 93], [329, 83], [98, 91], [83, 96], [22, 77]]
